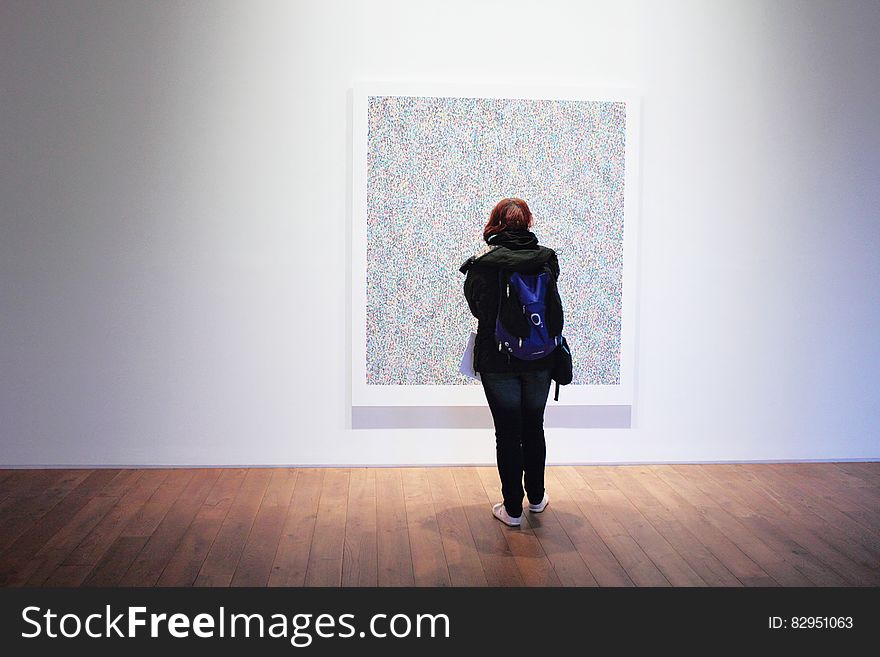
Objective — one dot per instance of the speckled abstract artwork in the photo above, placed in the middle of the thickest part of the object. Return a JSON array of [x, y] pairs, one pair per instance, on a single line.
[[436, 167]]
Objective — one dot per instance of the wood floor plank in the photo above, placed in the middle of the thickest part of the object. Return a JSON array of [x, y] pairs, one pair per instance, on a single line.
[[840, 474], [123, 482], [459, 549], [821, 502], [360, 565], [426, 544], [148, 517], [867, 471], [55, 550], [116, 560], [559, 548], [79, 563], [27, 558], [394, 552], [601, 562], [689, 512], [149, 564], [773, 563], [137, 531], [7, 485], [65, 540], [638, 565], [630, 481], [751, 524], [35, 493], [845, 488], [258, 555], [99, 540], [328, 542], [50, 512], [760, 524], [596, 477], [68, 576], [26, 485], [860, 503], [294, 546], [805, 529], [665, 556], [7, 482], [851, 537], [499, 563], [189, 555], [534, 566], [222, 559]]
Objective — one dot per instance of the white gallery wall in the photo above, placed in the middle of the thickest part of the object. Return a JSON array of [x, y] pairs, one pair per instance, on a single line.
[[174, 186]]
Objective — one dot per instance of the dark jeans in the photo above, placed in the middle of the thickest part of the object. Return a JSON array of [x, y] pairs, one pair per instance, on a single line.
[[517, 401]]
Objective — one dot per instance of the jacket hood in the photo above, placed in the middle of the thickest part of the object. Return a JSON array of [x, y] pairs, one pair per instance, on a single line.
[[515, 250]]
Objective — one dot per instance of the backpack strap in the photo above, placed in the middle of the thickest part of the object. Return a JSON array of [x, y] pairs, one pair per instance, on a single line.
[[556, 395], [500, 296], [501, 278]]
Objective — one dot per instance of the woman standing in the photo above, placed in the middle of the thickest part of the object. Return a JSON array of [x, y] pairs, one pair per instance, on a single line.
[[516, 390]]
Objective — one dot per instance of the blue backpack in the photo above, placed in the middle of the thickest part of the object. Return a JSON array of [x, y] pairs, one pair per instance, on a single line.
[[521, 325]]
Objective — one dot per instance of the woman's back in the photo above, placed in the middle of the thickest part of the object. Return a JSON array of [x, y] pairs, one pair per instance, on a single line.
[[514, 250]]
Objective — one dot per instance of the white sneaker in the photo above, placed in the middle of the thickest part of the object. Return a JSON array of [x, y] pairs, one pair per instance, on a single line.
[[501, 513], [537, 508]]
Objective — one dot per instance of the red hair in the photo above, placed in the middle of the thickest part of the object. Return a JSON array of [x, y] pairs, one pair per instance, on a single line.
[[509, 213]]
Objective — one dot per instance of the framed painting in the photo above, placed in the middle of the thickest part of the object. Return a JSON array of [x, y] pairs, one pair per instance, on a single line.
[[429, 163]]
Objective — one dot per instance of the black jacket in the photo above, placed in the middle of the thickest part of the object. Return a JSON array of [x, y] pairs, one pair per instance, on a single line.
[[512, 250]]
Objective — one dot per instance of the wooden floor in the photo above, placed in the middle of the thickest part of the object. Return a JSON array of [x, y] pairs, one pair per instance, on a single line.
[[670, 525]]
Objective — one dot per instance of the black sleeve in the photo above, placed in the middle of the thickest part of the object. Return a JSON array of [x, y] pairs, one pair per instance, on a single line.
[[553, 261], [475, 291]]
